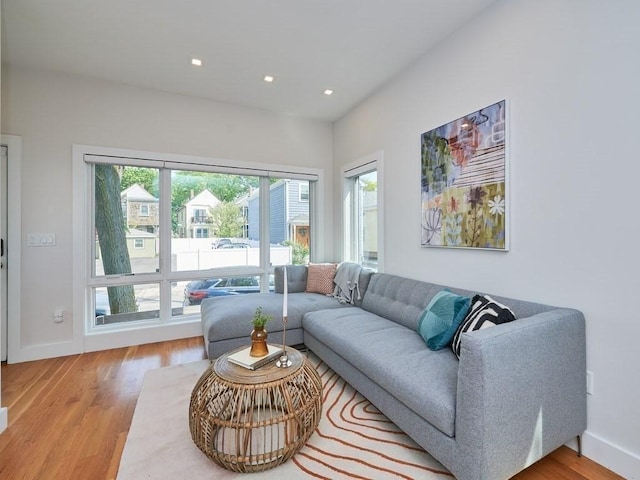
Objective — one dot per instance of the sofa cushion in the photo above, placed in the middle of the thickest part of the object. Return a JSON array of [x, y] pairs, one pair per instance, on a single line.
[[394, 357], [320, 278], [230, 317], [397, 298], [484, 312], [441, 318], [296, 278]]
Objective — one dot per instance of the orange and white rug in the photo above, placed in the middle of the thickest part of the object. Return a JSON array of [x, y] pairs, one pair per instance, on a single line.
[[353, 441]]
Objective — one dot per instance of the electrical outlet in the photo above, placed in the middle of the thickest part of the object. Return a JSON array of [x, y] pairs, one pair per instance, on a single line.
[[58, 315], [589, 382]]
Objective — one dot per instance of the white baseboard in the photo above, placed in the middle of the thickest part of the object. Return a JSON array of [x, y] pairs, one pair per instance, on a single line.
[[107, 340], [126, 338], [40, 352], [611, 456], [4, 419]]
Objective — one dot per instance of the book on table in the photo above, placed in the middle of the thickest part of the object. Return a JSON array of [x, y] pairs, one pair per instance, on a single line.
[[242, 357]]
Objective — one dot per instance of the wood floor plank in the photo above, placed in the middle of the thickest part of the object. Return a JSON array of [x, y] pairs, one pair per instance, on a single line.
[[69, 417]]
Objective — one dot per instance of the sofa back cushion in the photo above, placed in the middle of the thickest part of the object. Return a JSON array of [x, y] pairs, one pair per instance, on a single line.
[[398, 298], [403, 300], [296, 278]]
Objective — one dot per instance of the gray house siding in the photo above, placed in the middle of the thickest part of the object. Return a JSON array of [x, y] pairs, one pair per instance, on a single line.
[[253, 214], [281, 212], [296, 207], [278, 209]]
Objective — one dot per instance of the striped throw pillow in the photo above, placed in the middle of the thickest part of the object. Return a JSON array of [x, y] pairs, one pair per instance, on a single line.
[[485, 312]]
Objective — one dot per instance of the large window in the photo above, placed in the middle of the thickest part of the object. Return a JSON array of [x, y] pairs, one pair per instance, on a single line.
[[362, 214], [214, 233]]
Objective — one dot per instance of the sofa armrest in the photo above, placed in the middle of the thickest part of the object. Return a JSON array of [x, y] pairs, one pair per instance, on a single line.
[[521, 391]]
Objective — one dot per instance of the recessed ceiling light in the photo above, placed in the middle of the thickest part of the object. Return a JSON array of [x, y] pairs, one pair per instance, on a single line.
[[328, 92], [268, 78], [196, 61]]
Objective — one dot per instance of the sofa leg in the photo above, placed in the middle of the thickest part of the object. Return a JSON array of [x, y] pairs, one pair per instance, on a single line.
[[579, 438]]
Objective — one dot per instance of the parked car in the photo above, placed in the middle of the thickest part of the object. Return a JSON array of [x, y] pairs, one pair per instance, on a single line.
[[102, 304], [198, 290], [221, 242], [236, 245]]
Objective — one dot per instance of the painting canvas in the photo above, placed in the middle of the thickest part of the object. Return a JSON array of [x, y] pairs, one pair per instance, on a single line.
[[464, 182]]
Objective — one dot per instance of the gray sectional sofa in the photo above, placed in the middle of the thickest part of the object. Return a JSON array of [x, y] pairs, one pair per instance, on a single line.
[[517, 392]]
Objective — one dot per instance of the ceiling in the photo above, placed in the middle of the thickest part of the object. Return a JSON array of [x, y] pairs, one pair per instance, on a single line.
[[349, 46]]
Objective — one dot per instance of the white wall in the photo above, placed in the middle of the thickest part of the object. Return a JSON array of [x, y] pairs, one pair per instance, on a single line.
[[52, 112], [570, 73]]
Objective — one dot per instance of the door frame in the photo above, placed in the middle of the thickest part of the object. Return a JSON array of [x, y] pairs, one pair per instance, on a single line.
[[13, 244], [3, 258]]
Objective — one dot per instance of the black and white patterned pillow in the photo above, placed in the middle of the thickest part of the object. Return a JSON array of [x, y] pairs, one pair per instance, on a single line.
[[484, 312]]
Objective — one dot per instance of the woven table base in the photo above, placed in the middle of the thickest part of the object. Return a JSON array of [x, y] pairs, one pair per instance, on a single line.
[[250, 421]]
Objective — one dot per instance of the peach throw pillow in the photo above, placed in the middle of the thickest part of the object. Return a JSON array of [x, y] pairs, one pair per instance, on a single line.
[[320, 278]]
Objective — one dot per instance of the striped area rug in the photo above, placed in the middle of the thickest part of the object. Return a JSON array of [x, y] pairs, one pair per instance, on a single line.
[[353, 441]]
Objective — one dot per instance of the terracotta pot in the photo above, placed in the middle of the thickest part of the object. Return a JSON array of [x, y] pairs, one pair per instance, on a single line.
[[258, 342]]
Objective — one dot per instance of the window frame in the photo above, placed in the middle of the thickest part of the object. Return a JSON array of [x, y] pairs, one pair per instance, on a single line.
[[199, 215], [83, 193], [301, 199], [351, 223], [198, 232]]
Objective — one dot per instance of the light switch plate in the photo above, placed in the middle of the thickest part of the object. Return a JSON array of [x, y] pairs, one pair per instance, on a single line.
[[41, 239]]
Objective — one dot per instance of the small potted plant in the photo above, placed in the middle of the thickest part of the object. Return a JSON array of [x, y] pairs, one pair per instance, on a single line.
[[259, 334]]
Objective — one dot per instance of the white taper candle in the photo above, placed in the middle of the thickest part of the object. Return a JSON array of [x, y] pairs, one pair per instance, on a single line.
[[284, 300]]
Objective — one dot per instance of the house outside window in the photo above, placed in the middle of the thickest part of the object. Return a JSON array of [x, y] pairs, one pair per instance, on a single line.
[[195, 213], [140, 207], [138, 243], [289, 218]]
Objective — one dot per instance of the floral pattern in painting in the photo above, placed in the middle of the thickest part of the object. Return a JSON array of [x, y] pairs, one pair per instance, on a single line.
[[464, 198]]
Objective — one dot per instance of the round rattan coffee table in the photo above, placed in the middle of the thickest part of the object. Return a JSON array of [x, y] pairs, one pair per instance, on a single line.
[[253, 420]]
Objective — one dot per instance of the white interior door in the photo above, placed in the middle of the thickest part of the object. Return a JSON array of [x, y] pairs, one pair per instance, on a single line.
[[3, 253]]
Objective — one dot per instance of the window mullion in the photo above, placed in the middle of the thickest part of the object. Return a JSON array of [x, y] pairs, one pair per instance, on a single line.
[[355, 223], [164, 237], [313, 221], [358, 219], [91, 222], [265, 231]]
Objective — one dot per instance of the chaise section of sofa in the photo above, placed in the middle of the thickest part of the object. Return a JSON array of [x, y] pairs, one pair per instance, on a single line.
[[226, 321]]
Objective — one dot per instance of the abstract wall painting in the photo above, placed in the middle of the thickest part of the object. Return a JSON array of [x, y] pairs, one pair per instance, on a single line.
[[464, 182]]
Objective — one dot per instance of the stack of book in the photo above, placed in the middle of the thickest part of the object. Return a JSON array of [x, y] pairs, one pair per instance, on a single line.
[[242, 357]]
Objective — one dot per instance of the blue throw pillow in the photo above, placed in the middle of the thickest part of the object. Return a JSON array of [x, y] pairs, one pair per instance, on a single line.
[[442, 317]]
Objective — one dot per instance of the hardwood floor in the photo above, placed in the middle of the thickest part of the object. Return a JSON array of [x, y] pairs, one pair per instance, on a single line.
[[69, 416]]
